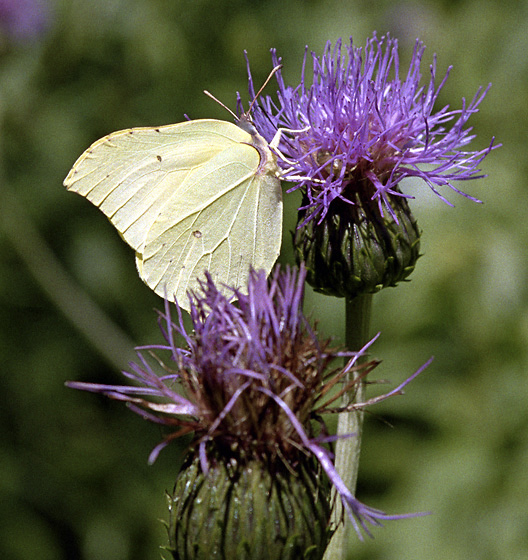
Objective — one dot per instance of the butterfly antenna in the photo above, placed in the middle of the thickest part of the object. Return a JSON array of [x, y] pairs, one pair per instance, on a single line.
[[220, 103], [248, 112], [271, 74]]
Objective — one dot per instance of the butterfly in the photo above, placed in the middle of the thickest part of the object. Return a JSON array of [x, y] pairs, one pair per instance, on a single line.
[[188, 197]]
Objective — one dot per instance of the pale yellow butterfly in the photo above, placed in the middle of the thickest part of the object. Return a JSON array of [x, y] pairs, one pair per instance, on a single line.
[[188, 197]]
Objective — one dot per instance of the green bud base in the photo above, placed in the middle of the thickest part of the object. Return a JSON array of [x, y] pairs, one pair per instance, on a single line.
[[248, 513], [355, 250]]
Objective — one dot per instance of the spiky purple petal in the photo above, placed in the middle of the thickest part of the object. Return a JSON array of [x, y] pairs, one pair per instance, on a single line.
[[358, 120], [254, 376]]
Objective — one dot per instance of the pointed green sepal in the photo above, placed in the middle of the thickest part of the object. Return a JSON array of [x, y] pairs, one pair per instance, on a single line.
[[355, 250], [249, 512]]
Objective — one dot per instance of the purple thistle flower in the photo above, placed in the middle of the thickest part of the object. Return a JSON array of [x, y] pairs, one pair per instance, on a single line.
[[24, 19], [359, 126], [251, 382]]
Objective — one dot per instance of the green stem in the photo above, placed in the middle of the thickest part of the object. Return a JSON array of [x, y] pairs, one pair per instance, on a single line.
[[358, 312]]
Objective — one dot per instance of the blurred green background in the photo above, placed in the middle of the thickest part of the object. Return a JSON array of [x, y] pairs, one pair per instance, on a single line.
[[74, 479]]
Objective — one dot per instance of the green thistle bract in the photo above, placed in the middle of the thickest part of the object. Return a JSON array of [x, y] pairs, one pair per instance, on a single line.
[[249, 511], [354, 250]]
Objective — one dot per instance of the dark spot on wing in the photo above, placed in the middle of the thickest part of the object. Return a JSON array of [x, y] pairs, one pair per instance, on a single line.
[[158, 157], [197, 234]]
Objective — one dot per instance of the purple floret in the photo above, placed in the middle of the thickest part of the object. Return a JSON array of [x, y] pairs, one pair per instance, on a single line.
[[358, 124]]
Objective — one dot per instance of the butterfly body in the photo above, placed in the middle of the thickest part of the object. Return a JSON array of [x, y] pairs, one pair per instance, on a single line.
[[189, 197]]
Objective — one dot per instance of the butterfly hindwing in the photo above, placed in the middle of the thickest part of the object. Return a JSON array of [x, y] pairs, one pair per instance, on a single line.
[[224, 218]]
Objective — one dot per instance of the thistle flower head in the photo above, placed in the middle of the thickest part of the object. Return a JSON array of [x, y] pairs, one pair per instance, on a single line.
[[250, 382], [360, 128], [24, 20]]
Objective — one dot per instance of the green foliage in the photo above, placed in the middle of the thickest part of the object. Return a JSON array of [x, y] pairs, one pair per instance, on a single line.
[[74, 477]]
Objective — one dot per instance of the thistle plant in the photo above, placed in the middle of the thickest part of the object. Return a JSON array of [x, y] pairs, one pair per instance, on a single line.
[[353, 132], [252, 382]]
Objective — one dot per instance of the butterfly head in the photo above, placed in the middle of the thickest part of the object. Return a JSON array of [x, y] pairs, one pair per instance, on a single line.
[[245, 122]]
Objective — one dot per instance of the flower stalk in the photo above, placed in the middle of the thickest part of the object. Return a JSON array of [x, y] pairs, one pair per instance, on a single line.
[[348, 449]]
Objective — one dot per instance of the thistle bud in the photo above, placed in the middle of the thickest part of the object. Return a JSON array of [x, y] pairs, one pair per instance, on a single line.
[[356, 250], [249, 510]]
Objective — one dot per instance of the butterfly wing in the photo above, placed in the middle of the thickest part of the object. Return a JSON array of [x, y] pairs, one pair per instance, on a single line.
[[131, 174], [186, 197], [225, 217]]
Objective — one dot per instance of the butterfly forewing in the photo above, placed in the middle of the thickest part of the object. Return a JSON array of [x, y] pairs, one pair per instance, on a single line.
[[130, 174]]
